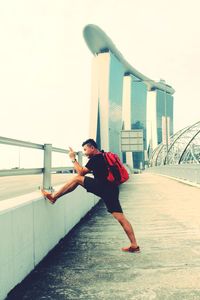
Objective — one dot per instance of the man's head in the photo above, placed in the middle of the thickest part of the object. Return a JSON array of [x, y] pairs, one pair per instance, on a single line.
[[90, 147]]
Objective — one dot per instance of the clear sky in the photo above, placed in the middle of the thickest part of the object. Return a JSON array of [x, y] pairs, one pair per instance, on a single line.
[[45, 65]]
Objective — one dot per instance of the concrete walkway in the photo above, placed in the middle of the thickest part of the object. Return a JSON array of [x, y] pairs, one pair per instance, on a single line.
[[88, 264]]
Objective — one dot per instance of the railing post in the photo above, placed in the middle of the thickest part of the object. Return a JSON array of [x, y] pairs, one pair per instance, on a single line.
[[47, 167], [80, 158]]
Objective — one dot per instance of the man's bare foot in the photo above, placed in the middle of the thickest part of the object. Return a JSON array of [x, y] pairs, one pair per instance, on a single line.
[[131, 249], [48, 196]]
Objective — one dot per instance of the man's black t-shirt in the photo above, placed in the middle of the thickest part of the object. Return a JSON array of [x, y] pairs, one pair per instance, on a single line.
[[98, 166], [100, 186]]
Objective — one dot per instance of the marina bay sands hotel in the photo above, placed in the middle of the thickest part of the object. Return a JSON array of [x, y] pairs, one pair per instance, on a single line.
[[130, 113]]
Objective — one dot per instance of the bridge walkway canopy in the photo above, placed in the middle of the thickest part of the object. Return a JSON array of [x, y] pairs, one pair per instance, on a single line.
[[183, 148]]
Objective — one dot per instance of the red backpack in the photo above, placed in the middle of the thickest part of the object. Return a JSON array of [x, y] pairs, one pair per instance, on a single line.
[[116, 171]]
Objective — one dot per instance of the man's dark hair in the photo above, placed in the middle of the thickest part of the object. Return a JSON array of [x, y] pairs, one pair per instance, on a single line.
[[90, 142]]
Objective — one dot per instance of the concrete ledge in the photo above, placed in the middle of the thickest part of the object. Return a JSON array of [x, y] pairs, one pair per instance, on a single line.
[[30, 227]]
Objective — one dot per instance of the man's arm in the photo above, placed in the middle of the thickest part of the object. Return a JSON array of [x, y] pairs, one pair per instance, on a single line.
[[79, 169]]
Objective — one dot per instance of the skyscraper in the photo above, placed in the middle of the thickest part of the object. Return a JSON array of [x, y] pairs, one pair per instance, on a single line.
[[123, 98]]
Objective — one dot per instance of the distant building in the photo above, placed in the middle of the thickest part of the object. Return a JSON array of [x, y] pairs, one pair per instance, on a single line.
[[123, 98]]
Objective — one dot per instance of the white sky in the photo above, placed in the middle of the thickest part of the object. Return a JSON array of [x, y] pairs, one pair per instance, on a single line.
[[45, 65]]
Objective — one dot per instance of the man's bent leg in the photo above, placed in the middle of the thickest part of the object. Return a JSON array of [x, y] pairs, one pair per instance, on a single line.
[[127, 228], [67, 188]]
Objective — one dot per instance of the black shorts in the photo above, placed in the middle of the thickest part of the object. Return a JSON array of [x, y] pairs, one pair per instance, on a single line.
[[108, 191]]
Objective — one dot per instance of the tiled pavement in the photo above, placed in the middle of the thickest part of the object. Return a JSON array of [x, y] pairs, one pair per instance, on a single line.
[[88, 263]]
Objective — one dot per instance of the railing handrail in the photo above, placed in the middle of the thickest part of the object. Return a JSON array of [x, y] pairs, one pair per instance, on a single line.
[[47, 168], [25, 144], [20, 171], [60, 150], [13, 142]]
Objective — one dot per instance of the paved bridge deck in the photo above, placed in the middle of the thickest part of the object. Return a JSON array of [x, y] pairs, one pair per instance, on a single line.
[[88, 264]]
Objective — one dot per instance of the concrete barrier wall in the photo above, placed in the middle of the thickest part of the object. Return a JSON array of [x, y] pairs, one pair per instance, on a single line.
[[30, 227], [188, 172]]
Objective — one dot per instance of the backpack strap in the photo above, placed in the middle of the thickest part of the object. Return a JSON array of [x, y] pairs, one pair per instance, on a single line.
[[104, 156]]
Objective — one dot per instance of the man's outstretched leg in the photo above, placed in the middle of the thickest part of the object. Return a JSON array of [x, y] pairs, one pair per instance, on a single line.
[[129, 231], [67, 188]]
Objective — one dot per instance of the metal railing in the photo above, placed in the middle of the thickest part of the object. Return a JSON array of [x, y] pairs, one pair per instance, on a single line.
[[189, 172], [47, 165]]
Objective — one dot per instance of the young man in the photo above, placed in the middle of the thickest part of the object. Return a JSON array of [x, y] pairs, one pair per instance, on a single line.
[[99, 185]]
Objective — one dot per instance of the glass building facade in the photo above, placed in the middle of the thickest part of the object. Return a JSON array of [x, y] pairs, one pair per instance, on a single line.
[[98, 132], [109, 109], [115, 104], [138, 115], [164, 109]]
